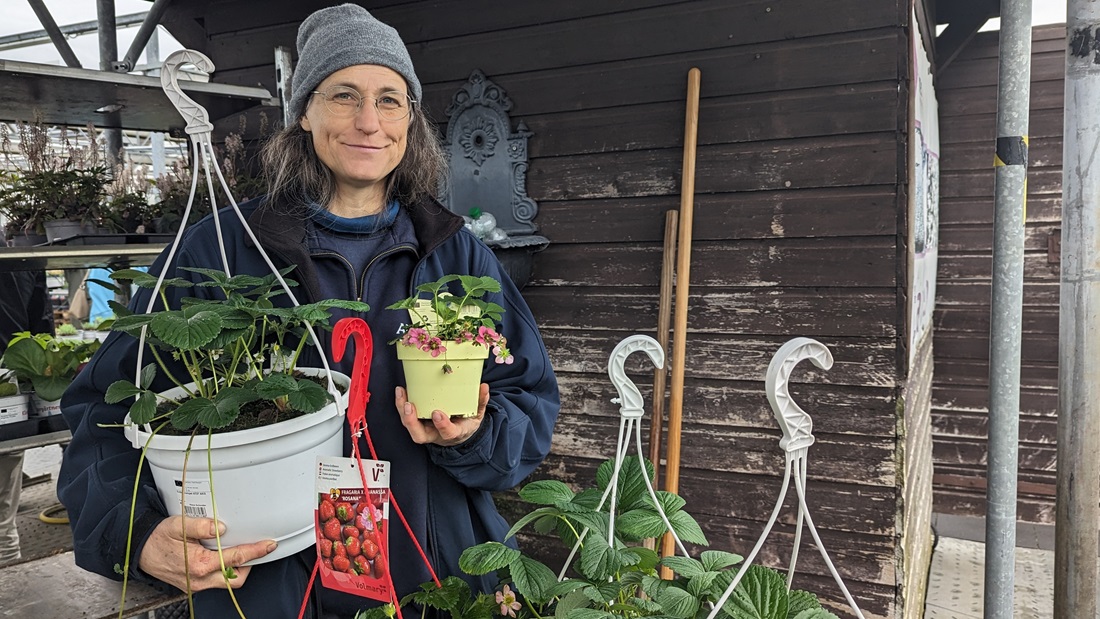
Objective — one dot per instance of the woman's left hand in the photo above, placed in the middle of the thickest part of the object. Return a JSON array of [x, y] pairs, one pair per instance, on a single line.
[[440, 429]]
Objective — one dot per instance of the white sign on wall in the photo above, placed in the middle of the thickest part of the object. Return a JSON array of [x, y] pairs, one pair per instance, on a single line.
[[924, 195]]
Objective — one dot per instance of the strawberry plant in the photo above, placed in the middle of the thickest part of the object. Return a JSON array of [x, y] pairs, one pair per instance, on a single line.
[[610, 580], [46, 363], [225, 351]]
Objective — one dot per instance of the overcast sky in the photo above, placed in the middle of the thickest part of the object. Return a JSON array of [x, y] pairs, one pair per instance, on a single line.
[[19, 17]]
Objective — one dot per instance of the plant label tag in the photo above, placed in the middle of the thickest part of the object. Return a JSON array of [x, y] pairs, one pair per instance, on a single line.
[[352, 525], [195, 496]]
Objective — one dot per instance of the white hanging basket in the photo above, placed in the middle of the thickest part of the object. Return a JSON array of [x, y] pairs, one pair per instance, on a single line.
[[263, 478]]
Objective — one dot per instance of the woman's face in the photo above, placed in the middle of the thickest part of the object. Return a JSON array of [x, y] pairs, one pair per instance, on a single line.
[[361, 150]]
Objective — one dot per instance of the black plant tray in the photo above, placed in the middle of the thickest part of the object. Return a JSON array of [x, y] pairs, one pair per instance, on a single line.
[[113, 239], [32, 427]]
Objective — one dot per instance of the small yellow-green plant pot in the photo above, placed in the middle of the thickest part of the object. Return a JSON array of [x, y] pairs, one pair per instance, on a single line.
[[431, 388]]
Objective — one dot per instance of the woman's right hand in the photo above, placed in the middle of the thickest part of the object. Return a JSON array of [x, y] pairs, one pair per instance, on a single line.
[[162, 556]]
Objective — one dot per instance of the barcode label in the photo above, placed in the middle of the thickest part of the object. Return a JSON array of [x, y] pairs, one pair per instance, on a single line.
[[195, 511]]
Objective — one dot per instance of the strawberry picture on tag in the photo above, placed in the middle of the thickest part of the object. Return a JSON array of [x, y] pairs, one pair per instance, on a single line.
[[352, 525]]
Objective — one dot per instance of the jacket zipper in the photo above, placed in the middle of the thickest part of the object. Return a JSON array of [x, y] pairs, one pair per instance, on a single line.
[[392, 250]]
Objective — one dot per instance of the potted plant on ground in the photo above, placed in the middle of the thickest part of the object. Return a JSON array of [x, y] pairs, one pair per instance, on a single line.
[[47, 365], [239, 396], [609, 580], [444, 345]]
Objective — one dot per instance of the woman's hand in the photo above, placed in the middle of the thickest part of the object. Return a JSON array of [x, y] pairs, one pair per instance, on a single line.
[[162, 556], [440, 429]]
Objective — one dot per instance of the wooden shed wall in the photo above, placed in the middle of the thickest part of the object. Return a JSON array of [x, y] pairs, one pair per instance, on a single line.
[[968, 107], [799, 228]]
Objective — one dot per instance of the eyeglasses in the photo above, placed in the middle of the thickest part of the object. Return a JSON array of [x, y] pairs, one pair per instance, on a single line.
[[346, 102]]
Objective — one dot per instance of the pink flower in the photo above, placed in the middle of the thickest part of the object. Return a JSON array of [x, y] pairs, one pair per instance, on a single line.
[[508, 603]]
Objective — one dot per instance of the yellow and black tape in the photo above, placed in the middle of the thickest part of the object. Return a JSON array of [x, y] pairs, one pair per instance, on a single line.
[[1011, 151]]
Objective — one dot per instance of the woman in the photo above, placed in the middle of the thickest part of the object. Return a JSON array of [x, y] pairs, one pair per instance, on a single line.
[[349, 205]]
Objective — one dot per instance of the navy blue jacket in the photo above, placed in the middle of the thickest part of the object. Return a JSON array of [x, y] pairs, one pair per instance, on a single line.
[[443, 491]]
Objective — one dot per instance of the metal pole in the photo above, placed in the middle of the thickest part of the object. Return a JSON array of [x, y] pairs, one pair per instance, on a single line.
[[1013, 95], [148, 27], [1078, 502], [58, 39], [108, 54], [38, 37]]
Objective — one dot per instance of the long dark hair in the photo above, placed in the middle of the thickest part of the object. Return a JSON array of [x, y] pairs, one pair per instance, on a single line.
[[295, 173]]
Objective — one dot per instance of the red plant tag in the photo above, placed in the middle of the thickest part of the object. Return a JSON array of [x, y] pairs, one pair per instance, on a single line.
[[352, 526]]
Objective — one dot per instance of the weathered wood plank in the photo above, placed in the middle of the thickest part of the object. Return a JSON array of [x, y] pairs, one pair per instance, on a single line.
[[978, 293], [1041, 208], [856, 461], [1045, 66], [1045, 95], [975, 373], [975, 399], [1042, 124], [956, 321], [833, 110], [839, 161], [776, 311], [980, 267], [1044, 38], [1036, 348], [960, 451], [861, 362], [972, 184], [847, 262], [970, 238], [443, 36], [1033, 429], [972, 503], [759, 214], [1045, 152], [837, 409]]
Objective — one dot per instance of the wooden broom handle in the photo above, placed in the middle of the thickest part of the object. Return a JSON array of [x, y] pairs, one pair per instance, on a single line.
[[683, 278]]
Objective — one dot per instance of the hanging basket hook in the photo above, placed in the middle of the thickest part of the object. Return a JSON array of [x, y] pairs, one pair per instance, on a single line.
[[198, 121], [630, 399]]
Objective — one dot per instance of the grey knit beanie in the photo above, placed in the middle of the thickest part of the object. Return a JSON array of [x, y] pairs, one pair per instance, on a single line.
[[339, 37]]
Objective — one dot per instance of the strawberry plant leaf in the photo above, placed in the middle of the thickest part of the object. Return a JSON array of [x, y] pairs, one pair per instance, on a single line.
[[187, 414], [121, 390], [761, 594], [537, 515], [687, 529], [532, 579], [714, 560], [308, 397], [188, 329], [487, 557], [546, 492], [676, 602], [639, 524], [814, 613], [684, 566]]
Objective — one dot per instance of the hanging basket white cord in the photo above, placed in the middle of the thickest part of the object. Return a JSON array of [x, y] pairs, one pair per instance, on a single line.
[[203, 158]]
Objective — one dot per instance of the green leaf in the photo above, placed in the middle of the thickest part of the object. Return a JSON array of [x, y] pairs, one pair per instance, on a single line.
[[148, 373], [687, 529], [532, 579], [699, 584], [538, 515], [234, 397], [273, 386], [188, 329], [546, 492], [308, 397], [684, 566], [600, 561], [106, 284], [814, 613], [678, 603], [761, 594], [714, 560], [121, 390], [669, 502], [26, 358], [144, 409], [133, 323], [187, 414], [647, 559], [654, 585], [639, 524], [50, 388], [631, 482], [572, 601], [450, 596], [564, 587], [589, 613], [487, 557], [799, 601]]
